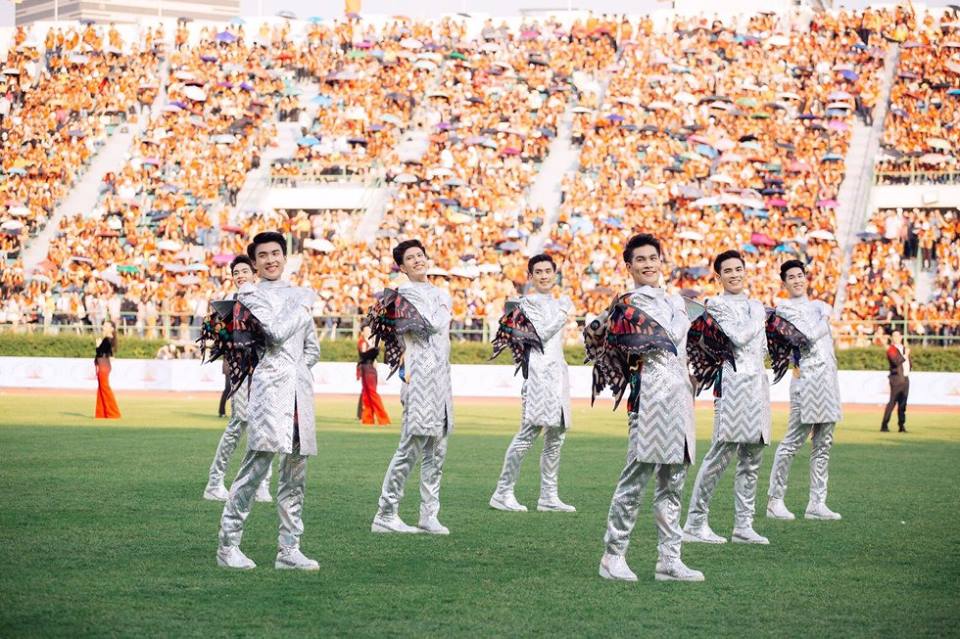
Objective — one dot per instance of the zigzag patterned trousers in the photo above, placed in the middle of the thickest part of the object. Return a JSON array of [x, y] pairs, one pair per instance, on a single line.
[[796, 435], [290, 489], [228, 443], [411, 448], [549, 459], [666, 507], [744, 482]]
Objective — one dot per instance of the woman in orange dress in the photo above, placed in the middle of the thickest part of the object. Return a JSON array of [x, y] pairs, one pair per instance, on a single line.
[[106, 403], [370, 408]]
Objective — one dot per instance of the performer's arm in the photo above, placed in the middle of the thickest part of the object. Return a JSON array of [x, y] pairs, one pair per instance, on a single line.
[[439, 316], [548, 326], [277, 329], [739, 332], [811, 330]]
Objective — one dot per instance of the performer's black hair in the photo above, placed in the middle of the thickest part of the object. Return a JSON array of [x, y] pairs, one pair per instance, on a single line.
[[241, 259], [638, 240], [403, 247], [536, 259], [723, 257], [789, 264], [265, 238]]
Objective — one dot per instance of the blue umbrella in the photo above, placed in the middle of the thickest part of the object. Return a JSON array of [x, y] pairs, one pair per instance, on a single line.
[[16, 171], [314, 19], [615, 117], [225, 36], [612, 221], [706, 150], [783, 248], [849, 75], [238, 21], [322, 100], [953, 92], [761, 213], [832, 157], [749, 248], [308, 140], [509, 246], [868, 236]]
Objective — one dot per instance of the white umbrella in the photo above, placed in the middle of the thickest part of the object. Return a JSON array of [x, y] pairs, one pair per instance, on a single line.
[[406, 178], [490, 268], [198, 267], [411, 43], [436, 270], [168, 245], [685, 98], [778, 40], [721, 179], [19, 211], [320, 245], [939, 143], [820, 234], [11, 225], [195, 93], [690, 235], [469, 272]]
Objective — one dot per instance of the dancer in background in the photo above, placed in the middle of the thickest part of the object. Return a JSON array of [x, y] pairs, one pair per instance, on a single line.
[[370, 408], [241, 269], [539, 318], [106, 403], [814, 398]]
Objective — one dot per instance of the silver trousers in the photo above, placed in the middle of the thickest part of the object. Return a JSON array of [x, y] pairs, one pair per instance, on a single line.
[[744, 482], [796, 435], [549, 459], [290, 489], [666, 507], [228, 444], [409, 451]]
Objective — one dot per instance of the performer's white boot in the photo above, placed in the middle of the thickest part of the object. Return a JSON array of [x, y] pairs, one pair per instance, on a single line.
[[747, 535], [615, 567], [215, 492], [676, 570], [263, 493], [554, 505], [702, 534], [776, 509], [819, 510], [232, 557], [432, 526], [290, 558], [391, 525], [507, 503]]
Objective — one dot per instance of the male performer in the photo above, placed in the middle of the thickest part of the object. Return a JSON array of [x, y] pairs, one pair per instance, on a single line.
[[741, 418], [898, 356], [545, 394], [280, 410], [662, 437], [241, 269], [814, 397], [427, 400]]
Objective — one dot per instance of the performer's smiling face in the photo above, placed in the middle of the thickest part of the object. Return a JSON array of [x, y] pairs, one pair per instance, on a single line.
[[543, 276], [414, 264], [733, 275], [242, 274], [795, 281], [644, 266], [270, 260]]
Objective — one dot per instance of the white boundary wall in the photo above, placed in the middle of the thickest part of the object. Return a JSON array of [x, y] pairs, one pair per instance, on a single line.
[[862, 387]]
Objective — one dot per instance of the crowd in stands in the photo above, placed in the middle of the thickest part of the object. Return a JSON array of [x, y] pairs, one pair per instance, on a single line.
[[706, 134]]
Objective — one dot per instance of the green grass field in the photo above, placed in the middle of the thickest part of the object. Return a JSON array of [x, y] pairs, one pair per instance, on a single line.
[[103, 533]]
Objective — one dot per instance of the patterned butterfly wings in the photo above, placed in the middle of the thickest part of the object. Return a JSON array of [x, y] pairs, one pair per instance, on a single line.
[[389, 319], [517, 333], [232, 332], [616, 343], [708, 347], [785, 343]]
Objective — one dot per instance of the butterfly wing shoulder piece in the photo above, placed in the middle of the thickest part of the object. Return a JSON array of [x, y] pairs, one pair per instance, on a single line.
[[391, 317], [708, 347], [785, 343], [517, 333]]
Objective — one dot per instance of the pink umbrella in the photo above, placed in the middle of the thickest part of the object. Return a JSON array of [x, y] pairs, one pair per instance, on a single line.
[[529, 34], [222, 258], [838, 125], [827, 204], [511, 150], [762, 239], [777, 201], [797, 166]]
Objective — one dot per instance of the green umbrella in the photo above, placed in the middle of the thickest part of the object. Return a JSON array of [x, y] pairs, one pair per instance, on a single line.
[[456, 55], [747, 102], [128, 268], [357, 53], [760, 116]]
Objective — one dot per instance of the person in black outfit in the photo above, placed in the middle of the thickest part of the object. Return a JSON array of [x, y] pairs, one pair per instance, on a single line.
[[898, 355]]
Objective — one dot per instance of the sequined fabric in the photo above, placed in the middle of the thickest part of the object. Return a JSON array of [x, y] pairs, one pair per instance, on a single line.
[[546, 391], [282, 382], [714, 463], [426, 394], [411, 449], [231, 437], [821, 443], [817, 389], [742, 412], [662, 427], [549, 459]]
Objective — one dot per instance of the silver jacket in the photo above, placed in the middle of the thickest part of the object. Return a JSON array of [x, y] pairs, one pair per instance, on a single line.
[[282, 379], [817, 389], [546, 391], [426, 395], [742, 412], [663, 427]]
